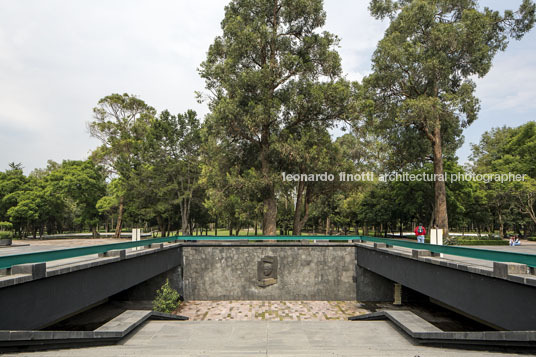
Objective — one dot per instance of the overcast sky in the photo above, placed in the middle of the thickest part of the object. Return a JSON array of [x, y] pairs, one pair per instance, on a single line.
[[58, 58]]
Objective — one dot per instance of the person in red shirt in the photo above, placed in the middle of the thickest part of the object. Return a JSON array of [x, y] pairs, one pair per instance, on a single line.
[[420, 232]]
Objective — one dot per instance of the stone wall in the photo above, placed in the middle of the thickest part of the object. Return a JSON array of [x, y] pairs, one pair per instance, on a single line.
[[304, 272]]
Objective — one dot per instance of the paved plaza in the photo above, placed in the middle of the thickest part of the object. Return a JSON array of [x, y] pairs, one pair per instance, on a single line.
[[267, 338], [270, 310]]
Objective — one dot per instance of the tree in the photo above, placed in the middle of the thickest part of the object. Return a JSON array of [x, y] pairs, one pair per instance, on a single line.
[[83, 182], [306, 151], [175, 142], [264, 75], [421, 82], [12, 180], [502, 151], [120, 123]]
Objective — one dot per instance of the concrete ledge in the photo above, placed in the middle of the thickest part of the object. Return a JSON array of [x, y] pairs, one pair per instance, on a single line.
[[75, 266], [9, 280], [24, 273], [429, 257], [121, 253], [109, 333], [380, 245], [416, 253], [425, 333], [35, 270], [502, 270]]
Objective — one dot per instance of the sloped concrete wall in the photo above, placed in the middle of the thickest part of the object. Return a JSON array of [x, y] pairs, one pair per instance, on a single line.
[[305, 272]]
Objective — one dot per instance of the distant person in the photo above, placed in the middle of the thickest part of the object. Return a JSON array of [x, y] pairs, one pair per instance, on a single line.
[[420, 232], [511, 242], [516, 241]]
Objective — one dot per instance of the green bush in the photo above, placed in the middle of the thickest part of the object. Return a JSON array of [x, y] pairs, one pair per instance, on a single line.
[[6, 226], [5, 235], [167, 299], [532, 238], [481, 242]]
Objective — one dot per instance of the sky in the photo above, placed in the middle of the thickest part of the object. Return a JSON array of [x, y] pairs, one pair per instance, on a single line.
[[59, 57]]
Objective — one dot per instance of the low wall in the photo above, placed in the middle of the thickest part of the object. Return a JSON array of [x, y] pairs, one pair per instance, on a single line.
[[303, 272]]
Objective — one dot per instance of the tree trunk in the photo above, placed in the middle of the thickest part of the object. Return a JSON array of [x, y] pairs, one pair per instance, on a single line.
[[440, 202], [185, 215], [270, 214], [94, 232], [301, 202], [119, 217], [327, 226], [269, 203], [296, 229]]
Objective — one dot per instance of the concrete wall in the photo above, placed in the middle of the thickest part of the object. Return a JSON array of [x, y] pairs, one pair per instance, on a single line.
[[305, 272], [38, 303], [371, 287], [497, 302]]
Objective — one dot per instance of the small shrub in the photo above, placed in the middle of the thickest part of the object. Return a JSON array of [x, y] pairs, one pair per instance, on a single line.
[[5, 235], [167, 299], [533, 239], [6, 226]]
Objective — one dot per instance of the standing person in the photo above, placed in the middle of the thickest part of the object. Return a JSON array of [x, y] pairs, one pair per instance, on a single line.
[[420, 232]]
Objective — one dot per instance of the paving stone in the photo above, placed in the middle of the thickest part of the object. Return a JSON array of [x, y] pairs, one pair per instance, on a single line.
[[270, 310]]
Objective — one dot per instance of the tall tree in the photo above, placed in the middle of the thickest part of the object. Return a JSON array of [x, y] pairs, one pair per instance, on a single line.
[[422, 68], [173, 151], [264, 75], [120, 123]]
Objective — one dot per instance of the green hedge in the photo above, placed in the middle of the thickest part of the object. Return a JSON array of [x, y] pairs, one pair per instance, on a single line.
[[6, 226], [532, 239], [5, 235], [481, 242]]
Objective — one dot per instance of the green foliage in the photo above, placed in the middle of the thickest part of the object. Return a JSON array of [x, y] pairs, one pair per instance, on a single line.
[[481, 242], [121, 123], [509, 150], [6, 235], [420, 94], [263, 73], [167, 299], [6, 226], [275, 87]]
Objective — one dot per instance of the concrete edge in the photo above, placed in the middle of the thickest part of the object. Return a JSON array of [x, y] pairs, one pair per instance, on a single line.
[[15, 279], [525, 279], [484, 338], [109, 333]]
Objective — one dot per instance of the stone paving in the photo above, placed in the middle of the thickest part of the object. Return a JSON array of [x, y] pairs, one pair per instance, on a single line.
[[270, 310]]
